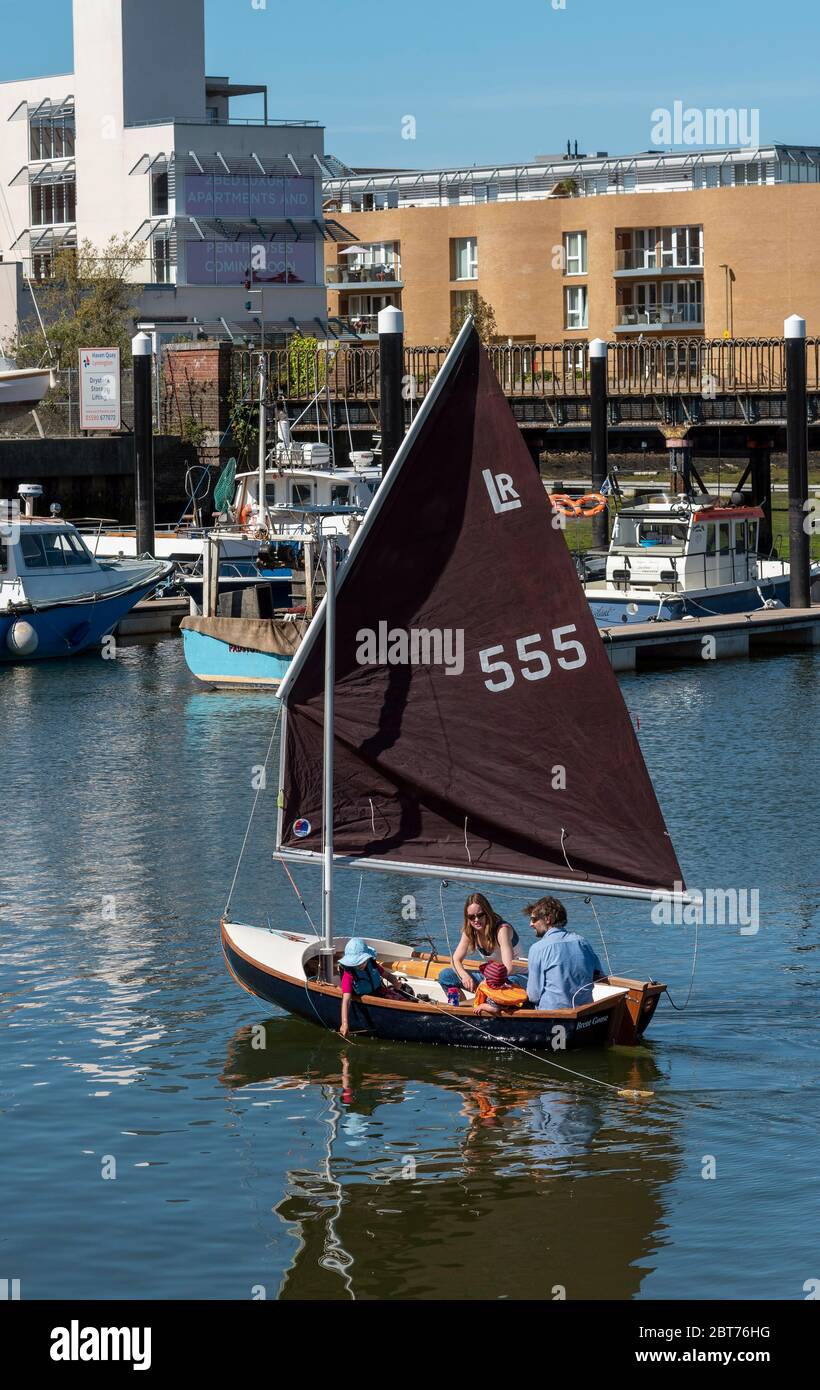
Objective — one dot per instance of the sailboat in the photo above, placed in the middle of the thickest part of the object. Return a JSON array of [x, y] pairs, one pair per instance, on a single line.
[[513, 763]]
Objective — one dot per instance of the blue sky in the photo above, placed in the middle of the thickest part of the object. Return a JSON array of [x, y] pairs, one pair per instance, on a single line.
[[489, 81]]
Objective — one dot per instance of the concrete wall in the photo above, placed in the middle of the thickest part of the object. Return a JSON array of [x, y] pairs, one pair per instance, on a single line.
[[95, 477], [767, 234]]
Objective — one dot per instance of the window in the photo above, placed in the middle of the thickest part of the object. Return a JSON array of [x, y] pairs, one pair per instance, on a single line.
[[53, 550], [724, 542], [159, 194], [53, 203], [710, 539], [301, 494], [485, 193], [464, 258], [162, 260], [575, 253], [339, 496], [575, 306], [740, 537], [212, 113], [747, 173], [682, 246], [52, 138]]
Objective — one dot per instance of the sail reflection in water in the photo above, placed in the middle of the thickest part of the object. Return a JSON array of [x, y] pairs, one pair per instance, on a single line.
[[421, 1168]]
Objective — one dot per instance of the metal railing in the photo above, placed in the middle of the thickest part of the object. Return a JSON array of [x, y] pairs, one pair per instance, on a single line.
[[632, 315], [388, 272], [655, 367]]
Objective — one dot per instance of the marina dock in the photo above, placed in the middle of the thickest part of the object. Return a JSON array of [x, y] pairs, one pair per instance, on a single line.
[[712, 638]]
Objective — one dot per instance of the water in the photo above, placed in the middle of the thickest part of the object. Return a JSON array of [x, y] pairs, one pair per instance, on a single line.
[[310, 1168]]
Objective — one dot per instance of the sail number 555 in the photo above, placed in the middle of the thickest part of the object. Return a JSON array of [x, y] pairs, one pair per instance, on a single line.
[[534, 662]]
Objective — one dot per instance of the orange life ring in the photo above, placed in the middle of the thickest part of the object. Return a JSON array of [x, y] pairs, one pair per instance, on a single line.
[[564, 505], [246, 514], [598, 504]]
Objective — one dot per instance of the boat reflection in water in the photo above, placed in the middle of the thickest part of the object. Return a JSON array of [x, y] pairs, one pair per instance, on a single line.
[[480, 1176]]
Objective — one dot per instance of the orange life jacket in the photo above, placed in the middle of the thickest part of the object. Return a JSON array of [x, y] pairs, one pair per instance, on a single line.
[[508, 997]]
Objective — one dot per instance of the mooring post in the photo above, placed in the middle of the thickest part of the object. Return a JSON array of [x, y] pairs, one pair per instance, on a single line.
[[797, 446], [598, 350], [141, 350], [210, 576], [391, 378]]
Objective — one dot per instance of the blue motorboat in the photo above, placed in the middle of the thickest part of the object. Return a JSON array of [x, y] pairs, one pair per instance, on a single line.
[[56, 598]]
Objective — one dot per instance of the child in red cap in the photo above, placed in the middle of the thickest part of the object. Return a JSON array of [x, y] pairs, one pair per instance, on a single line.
[[494, 995]]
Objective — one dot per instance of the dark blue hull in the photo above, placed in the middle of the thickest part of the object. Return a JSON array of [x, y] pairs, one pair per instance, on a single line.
[[594, 1025]]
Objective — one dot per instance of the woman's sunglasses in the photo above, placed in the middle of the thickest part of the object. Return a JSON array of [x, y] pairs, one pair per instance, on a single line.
[[475, 916]]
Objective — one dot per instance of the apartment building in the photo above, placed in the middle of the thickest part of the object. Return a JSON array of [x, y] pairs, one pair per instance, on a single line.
[[137, 141], [703, 243]]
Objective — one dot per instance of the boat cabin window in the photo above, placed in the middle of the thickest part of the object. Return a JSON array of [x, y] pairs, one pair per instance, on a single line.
[[339, 495], [301, 494], [724, 542], [710, 538], [4, 557], [666, 535], [53, 550], [740, 537]]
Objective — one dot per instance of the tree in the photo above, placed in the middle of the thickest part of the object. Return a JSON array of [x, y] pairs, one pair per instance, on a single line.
[[483, 316], [89, 302], [307, 367]]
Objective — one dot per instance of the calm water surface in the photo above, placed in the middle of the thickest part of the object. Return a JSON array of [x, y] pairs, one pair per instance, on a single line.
[[312, 1168]]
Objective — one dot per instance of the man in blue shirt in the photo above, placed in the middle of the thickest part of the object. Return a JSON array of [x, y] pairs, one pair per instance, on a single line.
[[562, 965]]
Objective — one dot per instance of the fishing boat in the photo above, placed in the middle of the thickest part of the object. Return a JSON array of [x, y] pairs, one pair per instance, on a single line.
[[436, 725], [56, 599], [686, 556]]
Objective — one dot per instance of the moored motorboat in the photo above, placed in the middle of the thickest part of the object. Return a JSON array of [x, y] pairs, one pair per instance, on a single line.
[[686, 556], [433, 752], [56, 599]]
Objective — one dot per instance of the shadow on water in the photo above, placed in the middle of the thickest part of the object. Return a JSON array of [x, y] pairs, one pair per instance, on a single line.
[[451, 1174]]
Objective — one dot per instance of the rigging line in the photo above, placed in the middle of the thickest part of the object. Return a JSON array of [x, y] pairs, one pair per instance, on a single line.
[[680, 1007], [358, 900], [547, 1062], [263, 779], [349, 430], [601, 930], [441, 888], [300, 899], [466, 846]]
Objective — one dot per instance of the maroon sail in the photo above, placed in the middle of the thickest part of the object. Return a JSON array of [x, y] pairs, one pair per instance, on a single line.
[[478, 728]]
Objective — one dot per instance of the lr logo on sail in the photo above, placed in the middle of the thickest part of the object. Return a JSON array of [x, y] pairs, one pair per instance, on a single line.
[[502, 493]]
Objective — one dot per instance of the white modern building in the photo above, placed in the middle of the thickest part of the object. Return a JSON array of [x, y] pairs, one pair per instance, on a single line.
[[137, 141]]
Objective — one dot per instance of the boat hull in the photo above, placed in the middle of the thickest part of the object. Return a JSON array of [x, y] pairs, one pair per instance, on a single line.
[[611, 610], [220, 663], [70, 629], [594, 1025]]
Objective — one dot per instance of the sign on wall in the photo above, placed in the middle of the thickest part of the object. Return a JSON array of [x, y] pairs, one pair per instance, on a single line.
[[100, 395]]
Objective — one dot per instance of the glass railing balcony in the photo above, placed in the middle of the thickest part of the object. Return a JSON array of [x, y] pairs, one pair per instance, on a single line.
[[654, 263], [361, 325], [659, 315], [386, 272]]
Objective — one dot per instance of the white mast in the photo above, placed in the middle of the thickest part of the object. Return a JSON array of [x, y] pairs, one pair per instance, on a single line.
[[327, 798], [263, 441]]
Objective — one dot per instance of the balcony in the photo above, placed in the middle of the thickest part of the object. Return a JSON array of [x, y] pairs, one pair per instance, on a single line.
[[633, 263], [364, 326], [633, 318], [364, 276]]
